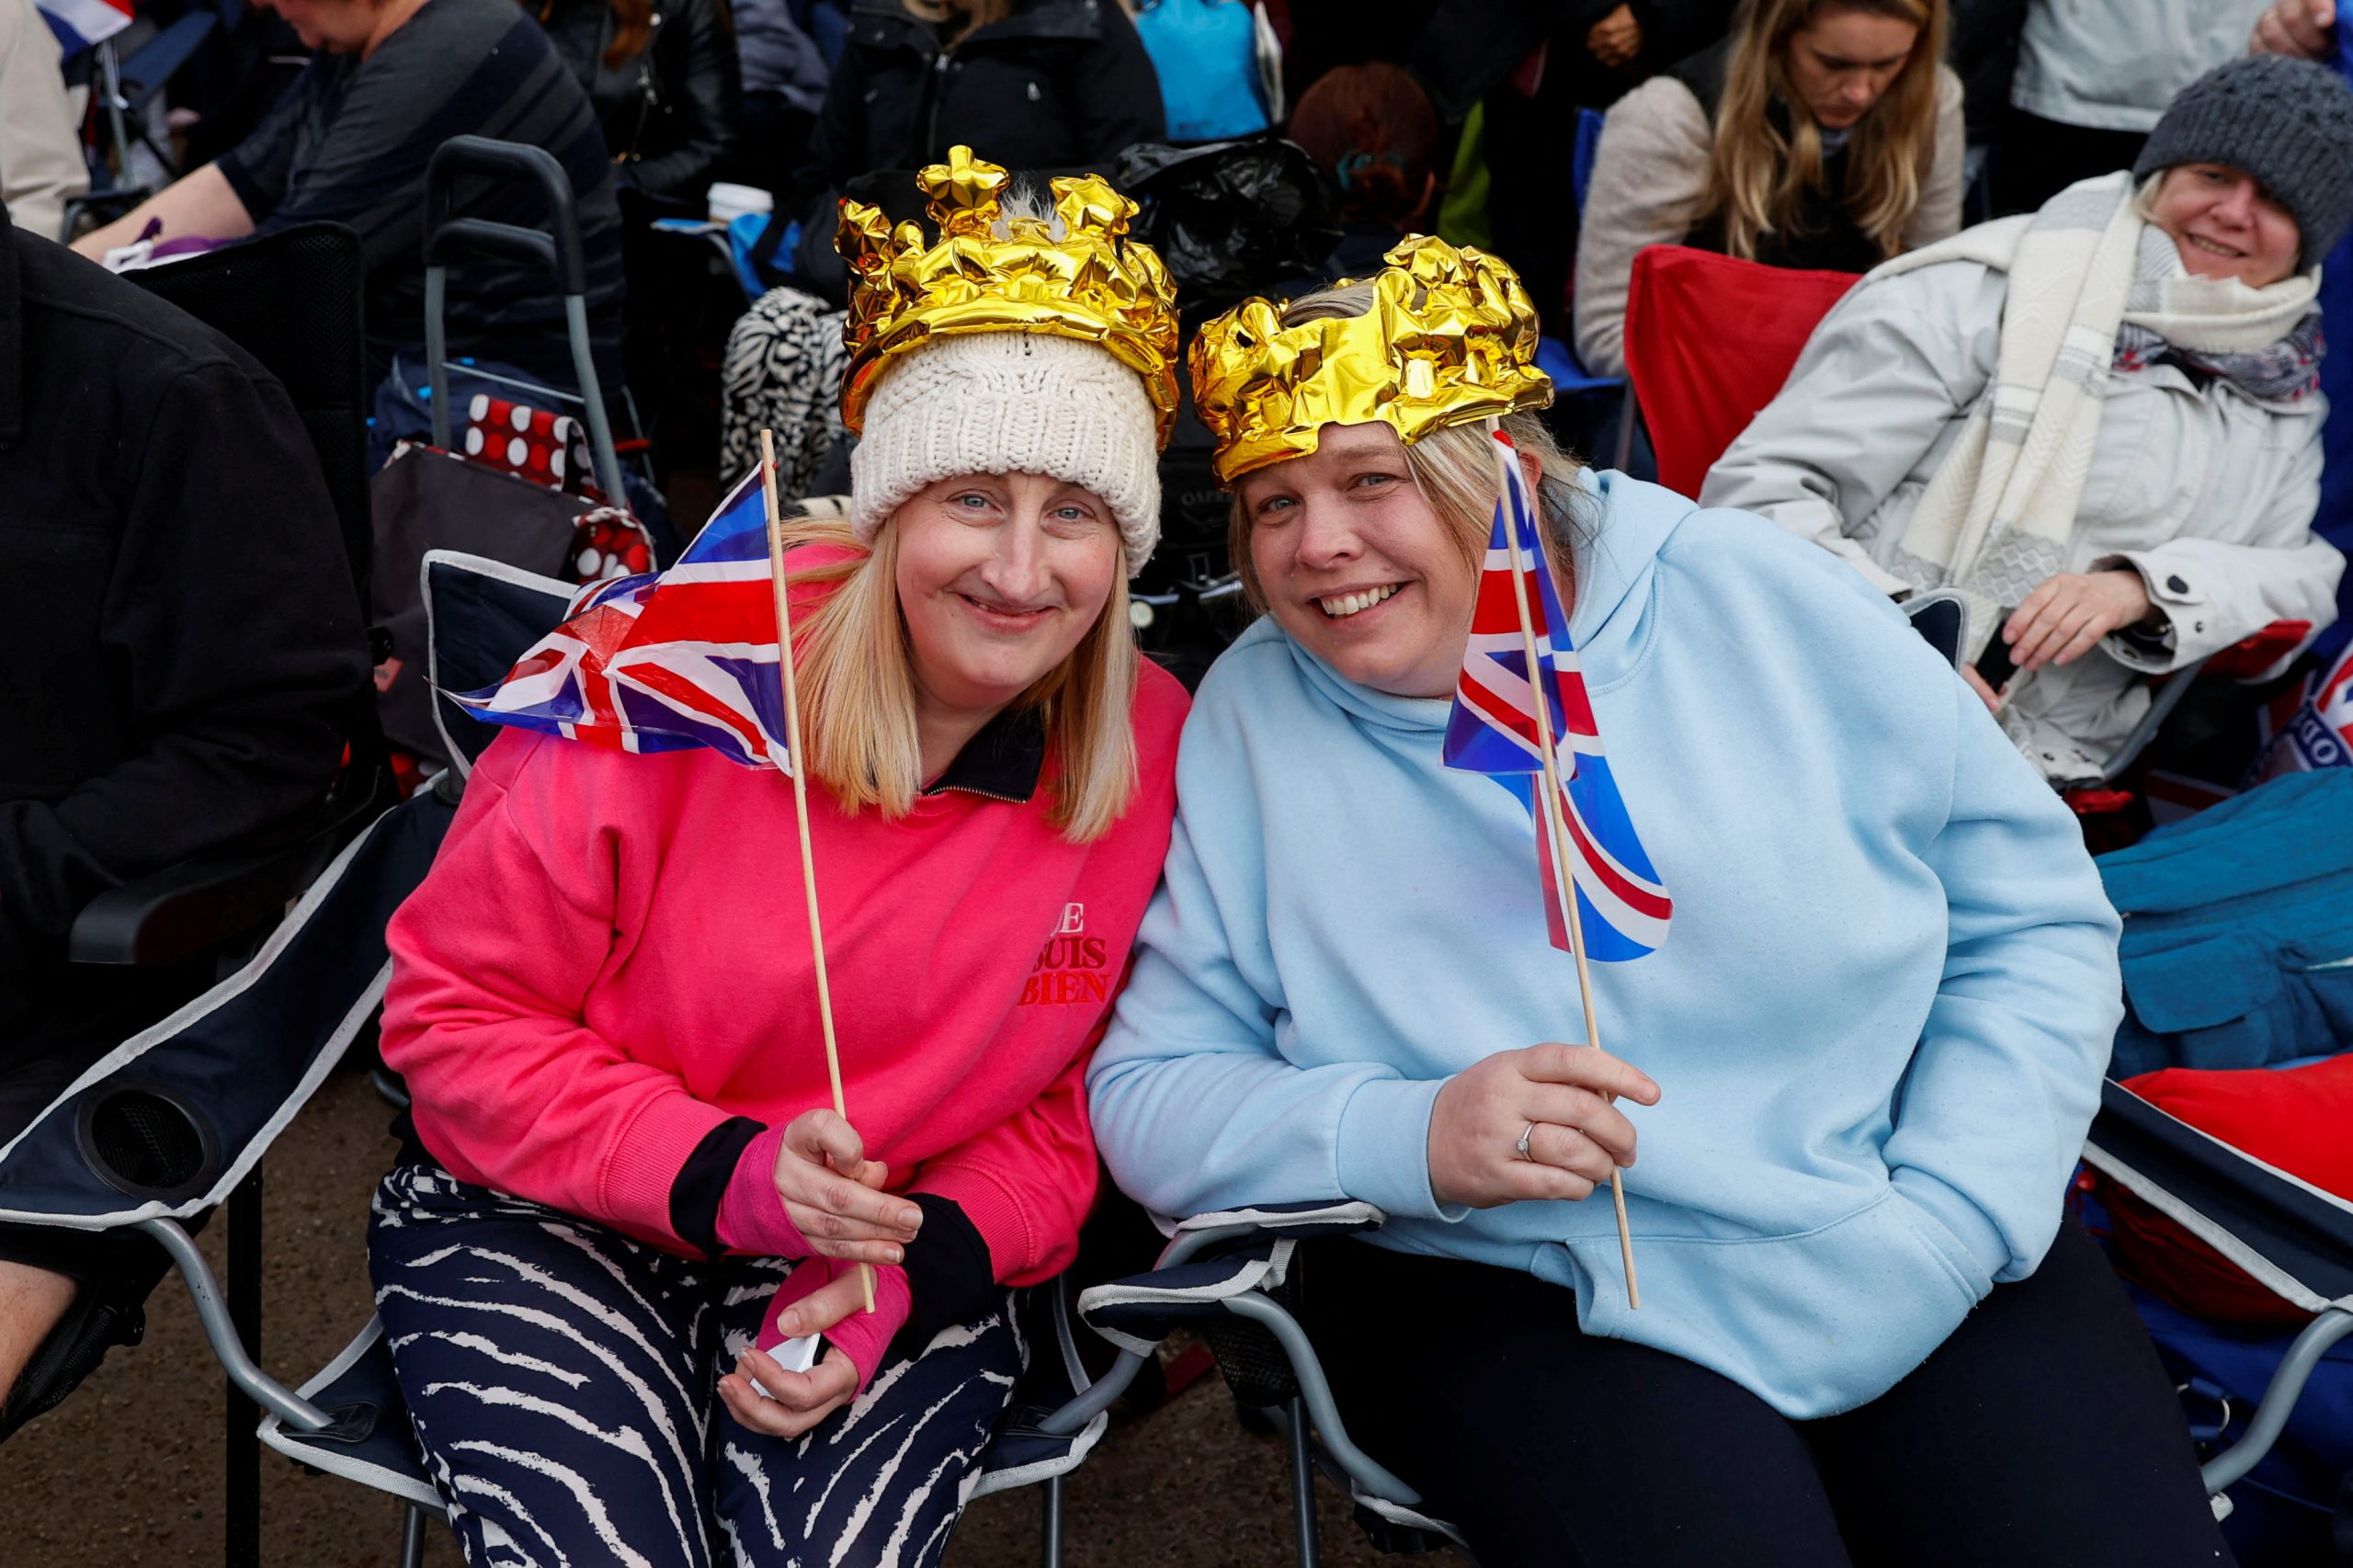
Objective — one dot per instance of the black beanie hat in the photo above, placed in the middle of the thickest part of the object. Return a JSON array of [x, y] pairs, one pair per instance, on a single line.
[[2287, 123]]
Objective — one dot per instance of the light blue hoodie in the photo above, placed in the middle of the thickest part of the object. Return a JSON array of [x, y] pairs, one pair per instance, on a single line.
[[1877, 1023]]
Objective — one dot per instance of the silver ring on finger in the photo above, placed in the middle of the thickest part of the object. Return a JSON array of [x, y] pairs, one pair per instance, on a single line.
[[1520, 1148]]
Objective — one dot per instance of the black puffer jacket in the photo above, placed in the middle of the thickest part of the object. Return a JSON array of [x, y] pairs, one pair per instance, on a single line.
[[669, 111], [1058, 84]]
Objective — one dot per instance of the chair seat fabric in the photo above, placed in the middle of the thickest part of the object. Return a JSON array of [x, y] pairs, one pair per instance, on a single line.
[[306, 994], [2290, 1236], [1709, 339], [385, 1457]]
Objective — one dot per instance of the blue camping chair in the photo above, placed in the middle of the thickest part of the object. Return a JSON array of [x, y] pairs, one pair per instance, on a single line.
[[1556, 359], [176, 1120], [1582, 153]]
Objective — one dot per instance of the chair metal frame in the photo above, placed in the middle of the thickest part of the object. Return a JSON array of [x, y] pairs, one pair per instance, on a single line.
[[1318, 1438]]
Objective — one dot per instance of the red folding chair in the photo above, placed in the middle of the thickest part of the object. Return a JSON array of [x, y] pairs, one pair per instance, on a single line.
[[1709, 339]]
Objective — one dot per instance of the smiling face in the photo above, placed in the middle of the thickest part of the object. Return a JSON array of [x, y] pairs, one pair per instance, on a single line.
[[1000, 577], [1844, 60], [2225, 224], [1357, 566]]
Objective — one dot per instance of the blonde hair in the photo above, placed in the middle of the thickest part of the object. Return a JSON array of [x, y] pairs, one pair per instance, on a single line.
[[1759, 172], [855, 672], [1453, 467]]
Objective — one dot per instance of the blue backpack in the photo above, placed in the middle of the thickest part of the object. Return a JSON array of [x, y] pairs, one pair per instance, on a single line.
[[1205, 52]]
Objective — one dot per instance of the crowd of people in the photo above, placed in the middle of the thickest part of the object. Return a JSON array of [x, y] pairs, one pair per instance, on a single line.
[[2079, 383]]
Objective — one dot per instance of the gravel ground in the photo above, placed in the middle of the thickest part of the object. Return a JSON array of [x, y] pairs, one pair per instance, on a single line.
[[126, 1473]]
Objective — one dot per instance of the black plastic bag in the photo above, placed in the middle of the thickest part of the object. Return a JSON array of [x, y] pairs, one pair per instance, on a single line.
[[1233, 218]]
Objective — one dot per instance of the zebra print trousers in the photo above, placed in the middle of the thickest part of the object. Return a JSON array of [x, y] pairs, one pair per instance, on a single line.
[[562, 1380]]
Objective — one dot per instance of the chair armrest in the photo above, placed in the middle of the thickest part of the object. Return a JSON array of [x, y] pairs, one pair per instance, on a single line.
[[183, 910], [2290, 1236], [1221, 1268], [178, 1114], [1941, 617], [1214, 1258], [1310, 1219]]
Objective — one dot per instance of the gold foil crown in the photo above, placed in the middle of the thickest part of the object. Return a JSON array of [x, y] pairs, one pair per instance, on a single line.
[[1090, 284], [1450, 338]]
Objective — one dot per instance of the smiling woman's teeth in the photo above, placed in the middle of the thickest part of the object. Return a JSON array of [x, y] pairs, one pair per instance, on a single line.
[[1349, 603]]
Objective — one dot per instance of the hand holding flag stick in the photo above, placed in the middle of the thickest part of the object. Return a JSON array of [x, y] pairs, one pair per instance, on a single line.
[[797, 768], [1557, 835], [1520, 698]]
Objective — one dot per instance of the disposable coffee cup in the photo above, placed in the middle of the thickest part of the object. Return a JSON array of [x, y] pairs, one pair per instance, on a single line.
[[729, 202]]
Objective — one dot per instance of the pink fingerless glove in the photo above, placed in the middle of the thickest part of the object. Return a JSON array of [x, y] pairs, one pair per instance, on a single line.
[[862, 1336], [751, 1214]]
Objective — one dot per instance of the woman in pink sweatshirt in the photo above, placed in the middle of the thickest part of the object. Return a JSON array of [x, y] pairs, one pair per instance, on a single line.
[[623, 1175]]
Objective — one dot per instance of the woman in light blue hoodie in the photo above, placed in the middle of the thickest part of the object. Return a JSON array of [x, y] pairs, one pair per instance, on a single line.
[[1861, 1063]]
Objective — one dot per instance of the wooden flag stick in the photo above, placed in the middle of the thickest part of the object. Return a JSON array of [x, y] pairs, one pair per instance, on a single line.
[[796, 770], [1563, 886]]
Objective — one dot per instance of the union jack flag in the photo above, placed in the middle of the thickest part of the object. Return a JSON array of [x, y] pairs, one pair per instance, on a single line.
[[667, 661], [1622, 907], [79, 23]]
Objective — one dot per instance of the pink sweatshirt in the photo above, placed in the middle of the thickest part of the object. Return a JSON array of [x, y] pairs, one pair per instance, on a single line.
[[610, 960]]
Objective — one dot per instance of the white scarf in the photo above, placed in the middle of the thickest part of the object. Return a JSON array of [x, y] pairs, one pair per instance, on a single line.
[[1997, 516]]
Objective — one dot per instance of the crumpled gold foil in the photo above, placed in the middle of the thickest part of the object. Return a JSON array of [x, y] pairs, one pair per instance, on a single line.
[[1091, 284], [1450, 338]]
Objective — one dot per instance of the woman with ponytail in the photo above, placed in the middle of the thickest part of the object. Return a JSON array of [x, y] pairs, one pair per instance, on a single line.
[[1372, 129]]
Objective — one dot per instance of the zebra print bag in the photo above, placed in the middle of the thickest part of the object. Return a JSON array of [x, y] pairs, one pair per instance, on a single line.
[[782, 372]]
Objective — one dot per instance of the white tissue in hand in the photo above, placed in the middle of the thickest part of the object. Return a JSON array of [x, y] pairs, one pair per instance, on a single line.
[[795, 1355]]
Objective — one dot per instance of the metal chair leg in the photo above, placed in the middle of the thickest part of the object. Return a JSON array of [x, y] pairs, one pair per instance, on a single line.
[[241, 1455], [2288, 1380], [1051, 1554], [1303, 1484], [413, 1538]]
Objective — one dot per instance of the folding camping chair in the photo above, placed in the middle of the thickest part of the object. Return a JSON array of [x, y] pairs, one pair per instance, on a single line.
[[170, 1121], [2290, 1236], [1232, 1278], [347, 1419]]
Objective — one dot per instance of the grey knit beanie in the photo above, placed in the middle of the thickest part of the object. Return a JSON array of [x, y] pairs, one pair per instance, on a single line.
[[2287, 123]]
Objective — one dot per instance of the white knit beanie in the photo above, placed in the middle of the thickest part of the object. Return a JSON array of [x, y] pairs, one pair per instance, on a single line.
[[1011, 402]]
